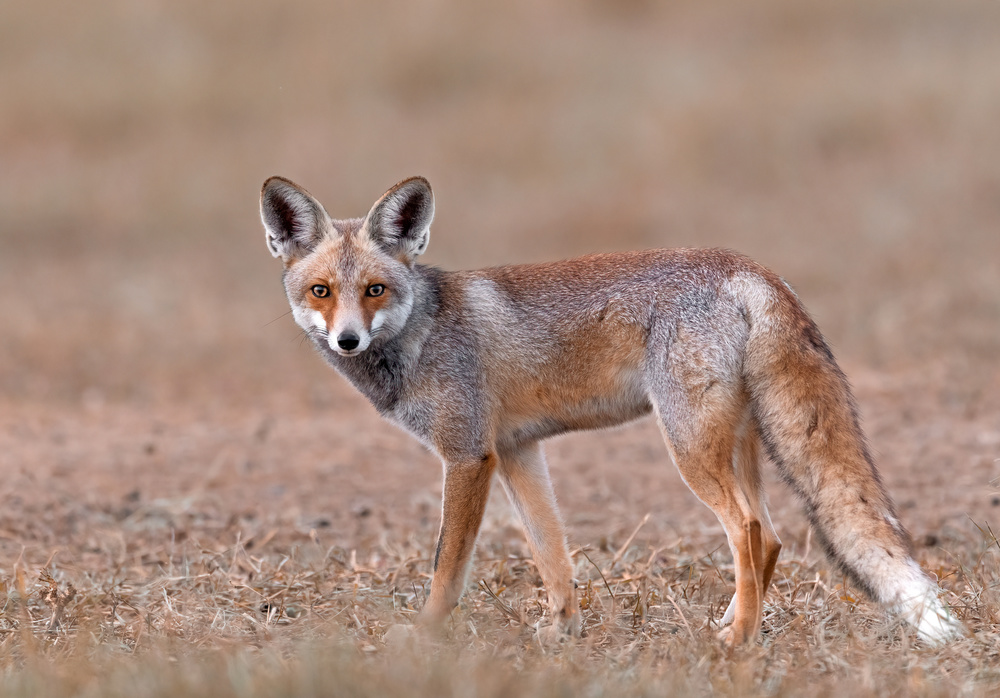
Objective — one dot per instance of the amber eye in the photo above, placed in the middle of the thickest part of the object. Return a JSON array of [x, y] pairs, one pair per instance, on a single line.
[[320, 291], [375, 290]]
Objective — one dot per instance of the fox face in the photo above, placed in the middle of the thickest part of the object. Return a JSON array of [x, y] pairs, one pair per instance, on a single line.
[[349, 282]]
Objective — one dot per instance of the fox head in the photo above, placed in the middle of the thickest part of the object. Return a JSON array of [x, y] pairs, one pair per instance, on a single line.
[[349, 282]]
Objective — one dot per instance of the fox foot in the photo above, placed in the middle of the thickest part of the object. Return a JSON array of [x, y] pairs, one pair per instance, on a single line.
[[558, 631]]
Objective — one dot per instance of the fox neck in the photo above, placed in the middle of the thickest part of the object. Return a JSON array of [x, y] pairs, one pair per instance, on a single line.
[[382, 372]]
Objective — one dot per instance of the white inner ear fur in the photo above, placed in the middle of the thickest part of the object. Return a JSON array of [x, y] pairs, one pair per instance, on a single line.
[[304, 213], [382, 225], [308, 222]]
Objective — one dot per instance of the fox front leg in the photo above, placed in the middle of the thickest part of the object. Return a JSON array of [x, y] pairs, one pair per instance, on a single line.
[[525, 477], [466, 490]]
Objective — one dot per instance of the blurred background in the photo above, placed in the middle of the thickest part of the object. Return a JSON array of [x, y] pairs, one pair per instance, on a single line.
[[852, 146]]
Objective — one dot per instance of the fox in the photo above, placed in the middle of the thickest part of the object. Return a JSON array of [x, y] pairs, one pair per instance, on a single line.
[[482, 366]]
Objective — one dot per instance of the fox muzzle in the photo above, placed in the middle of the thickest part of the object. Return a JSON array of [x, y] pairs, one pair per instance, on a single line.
[[348, 341]]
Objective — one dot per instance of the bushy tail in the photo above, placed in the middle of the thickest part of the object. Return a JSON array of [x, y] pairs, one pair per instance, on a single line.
[[809, 425]]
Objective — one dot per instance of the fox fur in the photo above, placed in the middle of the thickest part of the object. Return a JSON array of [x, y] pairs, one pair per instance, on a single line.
[[483, 365]]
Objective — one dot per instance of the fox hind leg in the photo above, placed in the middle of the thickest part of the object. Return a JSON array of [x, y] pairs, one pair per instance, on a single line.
[[746, 463], [701, 417]]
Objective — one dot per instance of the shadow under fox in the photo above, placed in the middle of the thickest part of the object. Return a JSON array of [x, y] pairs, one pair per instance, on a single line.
[[482, 365]]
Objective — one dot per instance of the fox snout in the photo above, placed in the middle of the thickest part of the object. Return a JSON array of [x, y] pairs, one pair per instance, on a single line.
[[348, 338], [348, 341]]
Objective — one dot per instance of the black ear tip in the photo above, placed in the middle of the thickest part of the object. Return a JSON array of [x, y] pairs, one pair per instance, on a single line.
[[275, 186], [269, 192], [415, 184]]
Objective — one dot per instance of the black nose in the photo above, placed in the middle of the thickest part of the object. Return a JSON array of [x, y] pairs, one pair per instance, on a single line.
[[348, 341]]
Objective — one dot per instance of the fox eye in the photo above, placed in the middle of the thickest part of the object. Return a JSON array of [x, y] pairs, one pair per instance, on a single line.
[[375, 290], [320, 291]]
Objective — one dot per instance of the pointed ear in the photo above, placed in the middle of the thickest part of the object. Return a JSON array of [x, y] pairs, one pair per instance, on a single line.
[[401, 220], [294, 221]]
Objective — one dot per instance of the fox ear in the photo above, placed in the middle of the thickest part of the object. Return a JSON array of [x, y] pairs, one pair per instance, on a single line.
[[401, 220], [294, 221]]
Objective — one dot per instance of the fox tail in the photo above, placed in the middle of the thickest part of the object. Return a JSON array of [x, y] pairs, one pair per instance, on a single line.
[[809, 426]]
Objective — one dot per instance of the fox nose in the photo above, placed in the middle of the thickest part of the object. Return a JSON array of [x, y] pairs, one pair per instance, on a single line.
[[348, 341]]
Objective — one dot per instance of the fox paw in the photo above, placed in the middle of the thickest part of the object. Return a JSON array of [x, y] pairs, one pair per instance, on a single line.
[[550, 635], [732, 639], [399, 636], [557, 633]]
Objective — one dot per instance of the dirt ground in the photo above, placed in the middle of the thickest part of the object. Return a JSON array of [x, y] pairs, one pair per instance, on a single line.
[[100, 486], [156, 400]]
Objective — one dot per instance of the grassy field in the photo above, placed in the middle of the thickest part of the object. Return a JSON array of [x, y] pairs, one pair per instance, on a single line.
[[192, 504]]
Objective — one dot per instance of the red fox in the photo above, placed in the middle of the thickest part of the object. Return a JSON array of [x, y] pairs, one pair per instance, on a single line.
[[482, 365]]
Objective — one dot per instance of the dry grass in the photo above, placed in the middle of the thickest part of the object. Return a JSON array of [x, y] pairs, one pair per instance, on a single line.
[[312, 620], [190, 503]]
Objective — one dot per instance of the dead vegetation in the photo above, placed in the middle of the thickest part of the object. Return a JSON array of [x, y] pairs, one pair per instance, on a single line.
[[254, 619]]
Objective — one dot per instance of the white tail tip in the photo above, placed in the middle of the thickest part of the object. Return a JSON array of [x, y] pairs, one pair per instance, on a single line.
[[919, 605]]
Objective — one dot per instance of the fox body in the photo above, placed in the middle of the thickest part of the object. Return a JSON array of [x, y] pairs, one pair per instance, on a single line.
[[483, 365]]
